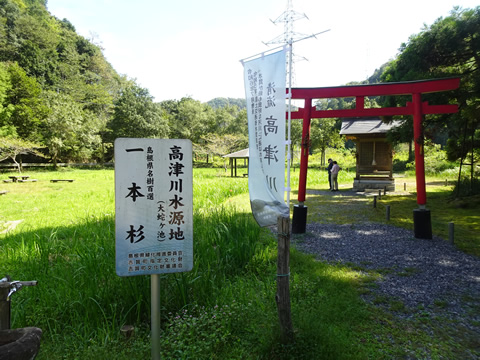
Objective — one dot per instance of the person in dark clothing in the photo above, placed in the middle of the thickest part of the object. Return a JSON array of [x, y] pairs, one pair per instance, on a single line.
[[329, 169]]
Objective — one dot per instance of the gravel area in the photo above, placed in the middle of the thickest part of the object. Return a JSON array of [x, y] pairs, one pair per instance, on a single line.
[[425, 275]]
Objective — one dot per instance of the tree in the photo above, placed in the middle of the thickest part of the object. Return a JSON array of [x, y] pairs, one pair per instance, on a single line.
[[69, 132], [450, 47], [6, 108], [220, 102], [136, 115], [24, 97], [229, 120], [192, 120], [11, 147]]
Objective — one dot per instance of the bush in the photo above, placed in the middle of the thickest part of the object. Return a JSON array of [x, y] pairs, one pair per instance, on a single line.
[[466, 187], [435, 160]]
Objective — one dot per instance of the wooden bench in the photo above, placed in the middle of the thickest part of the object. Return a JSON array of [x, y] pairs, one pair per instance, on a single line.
[[57, 180], [3, 192], [27, 180]]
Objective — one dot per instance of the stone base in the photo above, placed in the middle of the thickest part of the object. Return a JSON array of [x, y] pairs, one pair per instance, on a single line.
[[362, 185], [299, 221], [20, 344]]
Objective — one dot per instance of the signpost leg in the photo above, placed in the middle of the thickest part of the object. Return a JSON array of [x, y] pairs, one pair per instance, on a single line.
[[155, 313]]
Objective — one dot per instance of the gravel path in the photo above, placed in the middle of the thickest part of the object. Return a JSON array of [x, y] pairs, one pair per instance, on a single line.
[[426, 275]]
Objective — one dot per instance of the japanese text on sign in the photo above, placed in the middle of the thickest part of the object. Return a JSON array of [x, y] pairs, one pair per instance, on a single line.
[[153, 200]]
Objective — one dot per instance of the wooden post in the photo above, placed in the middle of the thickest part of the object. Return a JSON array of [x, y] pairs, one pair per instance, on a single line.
[[282, 297], [4, 307], [451, 232]]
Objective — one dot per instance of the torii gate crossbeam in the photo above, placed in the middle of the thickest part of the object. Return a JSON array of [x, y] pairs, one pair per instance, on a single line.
[[416, 108]]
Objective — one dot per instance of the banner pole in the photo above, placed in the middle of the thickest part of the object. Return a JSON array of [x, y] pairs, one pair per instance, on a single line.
[[289, 155], [155, 313]]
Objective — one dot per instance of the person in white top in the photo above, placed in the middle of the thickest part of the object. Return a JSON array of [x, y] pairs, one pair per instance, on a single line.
[[334, 171]]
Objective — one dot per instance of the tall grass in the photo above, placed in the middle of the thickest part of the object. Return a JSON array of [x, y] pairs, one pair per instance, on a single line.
[[226, 303], [66, 241]]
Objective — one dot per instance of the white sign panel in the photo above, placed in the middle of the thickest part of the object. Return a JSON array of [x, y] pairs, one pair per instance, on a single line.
[[265, 95], [153, 206]]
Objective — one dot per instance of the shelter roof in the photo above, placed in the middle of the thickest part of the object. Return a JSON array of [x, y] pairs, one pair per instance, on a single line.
[[239, 154], [366, 126]]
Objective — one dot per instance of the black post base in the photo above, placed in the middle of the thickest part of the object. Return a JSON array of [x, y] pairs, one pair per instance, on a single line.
[[422, 224], [299, 221]]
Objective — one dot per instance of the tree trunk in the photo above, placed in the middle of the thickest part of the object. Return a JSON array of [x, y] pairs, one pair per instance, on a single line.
[[462, 158], [411, 154]]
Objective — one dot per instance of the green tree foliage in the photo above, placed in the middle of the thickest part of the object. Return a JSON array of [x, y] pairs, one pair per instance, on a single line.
[[136, 115], [41, 56], [24, 97], [226, 102], [57, 90], [67, 130], [32, 39], [449, 47], [6, 108], [230, 120], [191, 120], [324, 134], [11, 147], [216, 131]]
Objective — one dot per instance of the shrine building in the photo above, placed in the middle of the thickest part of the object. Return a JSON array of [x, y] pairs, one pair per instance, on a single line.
[[374, 155]]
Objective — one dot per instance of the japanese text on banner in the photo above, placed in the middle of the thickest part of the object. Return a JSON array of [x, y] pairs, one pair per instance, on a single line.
[[265, 94]]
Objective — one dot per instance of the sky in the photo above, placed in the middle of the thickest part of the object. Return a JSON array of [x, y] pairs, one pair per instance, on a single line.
[[194, 48]]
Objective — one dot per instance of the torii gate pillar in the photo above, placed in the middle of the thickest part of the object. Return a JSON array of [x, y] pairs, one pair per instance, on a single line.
[[422, 224], [421, 216]]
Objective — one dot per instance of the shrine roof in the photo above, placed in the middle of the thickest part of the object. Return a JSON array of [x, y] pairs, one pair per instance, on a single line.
[[366, 126]]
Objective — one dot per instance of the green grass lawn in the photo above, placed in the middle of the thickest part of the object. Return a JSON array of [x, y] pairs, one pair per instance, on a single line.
[[62, 234]]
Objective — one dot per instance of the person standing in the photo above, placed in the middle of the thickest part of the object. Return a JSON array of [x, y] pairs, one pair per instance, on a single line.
[[329, 169], [334, 172]]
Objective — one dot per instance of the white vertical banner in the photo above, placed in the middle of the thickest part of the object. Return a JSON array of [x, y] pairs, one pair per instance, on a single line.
[[265, 95]]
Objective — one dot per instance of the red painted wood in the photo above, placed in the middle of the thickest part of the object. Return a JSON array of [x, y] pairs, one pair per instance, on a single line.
[[403, 88], [419, 150], [390, 111], [415, 108], [302, 183]]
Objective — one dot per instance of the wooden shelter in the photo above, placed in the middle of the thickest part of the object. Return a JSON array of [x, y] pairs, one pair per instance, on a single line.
[[242, 154], [374, 165]]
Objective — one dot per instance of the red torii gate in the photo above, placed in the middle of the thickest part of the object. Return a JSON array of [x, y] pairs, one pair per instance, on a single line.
[[417, 108]]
